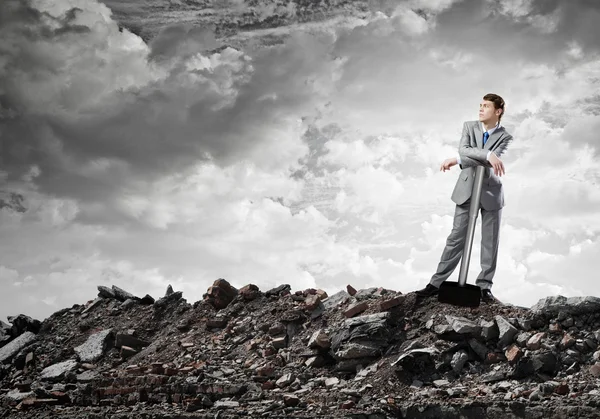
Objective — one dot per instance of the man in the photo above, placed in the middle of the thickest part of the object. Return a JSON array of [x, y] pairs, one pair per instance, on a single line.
[[482, 143]]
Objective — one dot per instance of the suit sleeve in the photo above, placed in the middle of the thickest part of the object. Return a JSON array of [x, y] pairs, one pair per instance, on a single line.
[[472, 156]]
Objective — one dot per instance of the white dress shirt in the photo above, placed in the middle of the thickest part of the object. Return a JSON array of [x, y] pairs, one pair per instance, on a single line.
[[490, 131]]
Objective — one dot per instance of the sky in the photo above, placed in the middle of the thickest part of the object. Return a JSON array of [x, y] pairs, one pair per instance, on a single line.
[[313, 163]]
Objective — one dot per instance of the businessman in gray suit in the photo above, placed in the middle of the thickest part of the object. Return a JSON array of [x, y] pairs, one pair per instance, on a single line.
[[482, 143]]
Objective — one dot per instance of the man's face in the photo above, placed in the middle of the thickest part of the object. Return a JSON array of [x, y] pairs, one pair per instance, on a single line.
[[487, 112]]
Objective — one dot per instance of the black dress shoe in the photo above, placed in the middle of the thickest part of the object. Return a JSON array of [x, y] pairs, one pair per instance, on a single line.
[[428, 291], [488, 297]]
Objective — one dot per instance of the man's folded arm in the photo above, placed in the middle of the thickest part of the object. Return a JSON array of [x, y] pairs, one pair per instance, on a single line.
[[470, 156]]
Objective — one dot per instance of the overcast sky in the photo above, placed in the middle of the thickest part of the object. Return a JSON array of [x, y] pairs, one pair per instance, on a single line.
[[313, 163]]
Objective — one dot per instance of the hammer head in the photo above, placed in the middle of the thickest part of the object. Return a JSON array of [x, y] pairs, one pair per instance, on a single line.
[[464, 296]]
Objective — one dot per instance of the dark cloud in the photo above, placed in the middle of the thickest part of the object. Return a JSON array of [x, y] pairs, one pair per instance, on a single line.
[[69, 115], [480, 27]]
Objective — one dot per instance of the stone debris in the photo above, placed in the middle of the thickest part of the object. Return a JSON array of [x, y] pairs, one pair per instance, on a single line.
[[93, 348], [9, 350], [57, 371], [250, 353]]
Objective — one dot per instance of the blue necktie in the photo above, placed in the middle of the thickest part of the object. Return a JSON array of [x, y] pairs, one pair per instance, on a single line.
[[486, 135]]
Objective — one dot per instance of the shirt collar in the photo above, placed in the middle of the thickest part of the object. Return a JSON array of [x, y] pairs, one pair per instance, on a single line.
[[491, 130]]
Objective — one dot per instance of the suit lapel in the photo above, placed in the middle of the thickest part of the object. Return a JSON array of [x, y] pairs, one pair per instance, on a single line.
[[478, 135], [493, 138]]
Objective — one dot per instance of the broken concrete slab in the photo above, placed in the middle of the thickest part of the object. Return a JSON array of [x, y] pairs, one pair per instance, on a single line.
[[93, 349], [58, 371], [12, 348]]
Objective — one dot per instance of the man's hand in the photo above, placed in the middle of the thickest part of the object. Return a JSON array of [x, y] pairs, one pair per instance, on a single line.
[[448, 163], [496, 164]]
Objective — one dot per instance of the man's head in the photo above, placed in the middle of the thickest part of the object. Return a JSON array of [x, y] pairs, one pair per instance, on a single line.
[[491, 109]]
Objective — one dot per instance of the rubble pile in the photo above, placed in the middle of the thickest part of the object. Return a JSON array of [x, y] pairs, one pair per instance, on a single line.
[[372, 353]]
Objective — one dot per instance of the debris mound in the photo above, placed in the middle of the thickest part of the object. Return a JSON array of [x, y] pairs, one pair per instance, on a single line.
[[368, 353]]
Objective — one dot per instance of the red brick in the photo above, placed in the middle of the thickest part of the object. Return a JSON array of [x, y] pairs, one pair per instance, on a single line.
[[513, 354], [392, 302], [562, 389], [567, 341], [535, 342], [355, 309]]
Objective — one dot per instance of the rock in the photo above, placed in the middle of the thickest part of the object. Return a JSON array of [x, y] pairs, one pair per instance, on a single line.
[[545, 362], [226, 404], [356, 308], [391, 302], [567, 341], [336, 299], [127, 304], [513, 354], [351, 290], [489, 330], [572, 305], [105, 292], [87, 376], [506, 331], [535, 395], [23, 323], [17, 396], [283, 289], [331, 382], [97, 301], [523, 338], [535, 342], [12, 348], [525, 324], [365, 294], [249, 292], [417, 360], [122, 295], [555, 329], [220, 294], [93, 348], [5, 333], [319, 340], [595, 370], [358, 350], [463, 326], [58, 371], [169, 290], [480, 349], [369, 318], [147, 300], [166, 301], [285, 380], [291, 400], [280, 342], [312, 302], [459, 359]]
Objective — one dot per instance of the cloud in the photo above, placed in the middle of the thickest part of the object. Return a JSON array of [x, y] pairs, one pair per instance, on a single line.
[[314, 162]]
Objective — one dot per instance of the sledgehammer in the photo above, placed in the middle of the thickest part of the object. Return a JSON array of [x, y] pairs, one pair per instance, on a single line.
[[460, 293]]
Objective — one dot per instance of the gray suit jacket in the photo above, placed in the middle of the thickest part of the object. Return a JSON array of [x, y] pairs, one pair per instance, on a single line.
[[472, 154]]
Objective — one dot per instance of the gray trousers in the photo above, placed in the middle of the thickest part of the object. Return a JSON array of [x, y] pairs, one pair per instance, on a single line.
[[490, 235]]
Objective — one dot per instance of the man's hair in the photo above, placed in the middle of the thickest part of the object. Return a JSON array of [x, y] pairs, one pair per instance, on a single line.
[[498, 103]]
